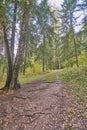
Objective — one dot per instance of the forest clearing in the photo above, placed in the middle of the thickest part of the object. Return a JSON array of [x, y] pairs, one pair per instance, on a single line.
[[43, 64]]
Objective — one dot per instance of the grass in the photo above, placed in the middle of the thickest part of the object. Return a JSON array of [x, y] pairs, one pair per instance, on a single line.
[[2, 79], [48, 76], [76, 81], [74, 78]]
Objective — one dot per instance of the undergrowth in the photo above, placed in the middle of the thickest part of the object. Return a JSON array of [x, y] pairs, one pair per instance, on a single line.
[[2, 79], [76, 81]]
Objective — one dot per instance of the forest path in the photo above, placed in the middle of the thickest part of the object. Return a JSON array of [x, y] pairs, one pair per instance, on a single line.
[[38, 106]]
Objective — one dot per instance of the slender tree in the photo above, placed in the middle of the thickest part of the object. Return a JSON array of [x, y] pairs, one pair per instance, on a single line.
[[68, 24]]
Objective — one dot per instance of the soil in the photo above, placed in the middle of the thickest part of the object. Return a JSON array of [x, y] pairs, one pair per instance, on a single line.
[[41, 105]]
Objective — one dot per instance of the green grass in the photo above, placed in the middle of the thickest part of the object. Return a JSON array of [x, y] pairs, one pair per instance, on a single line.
[[2, 79], [76, 81], [29, 77], [49, 76]]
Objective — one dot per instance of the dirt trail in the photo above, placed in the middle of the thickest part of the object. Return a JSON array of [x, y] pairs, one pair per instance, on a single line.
[[36, 106]]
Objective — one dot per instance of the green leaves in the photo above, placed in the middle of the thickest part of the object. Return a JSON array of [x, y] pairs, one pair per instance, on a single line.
[[3, 11]]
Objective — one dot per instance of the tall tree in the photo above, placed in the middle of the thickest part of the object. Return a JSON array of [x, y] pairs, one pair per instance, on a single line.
[[68, 25], [13, 69], [13, 30], [44, 22]]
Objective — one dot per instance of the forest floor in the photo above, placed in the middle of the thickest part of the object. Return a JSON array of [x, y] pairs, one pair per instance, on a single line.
[[42, 105]]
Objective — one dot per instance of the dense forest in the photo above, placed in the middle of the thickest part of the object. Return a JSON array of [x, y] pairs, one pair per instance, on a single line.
[[36, 36], [43, 65]]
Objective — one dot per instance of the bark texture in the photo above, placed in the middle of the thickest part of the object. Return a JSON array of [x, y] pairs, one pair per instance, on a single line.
[[13, 31], [8, 57], [13, 69]]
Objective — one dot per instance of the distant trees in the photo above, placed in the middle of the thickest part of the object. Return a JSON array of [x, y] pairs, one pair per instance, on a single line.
[[44, 22], [40, 34]]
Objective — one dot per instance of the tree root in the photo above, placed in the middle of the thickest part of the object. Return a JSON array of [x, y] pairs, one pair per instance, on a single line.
[[19, 97], [3, 90]]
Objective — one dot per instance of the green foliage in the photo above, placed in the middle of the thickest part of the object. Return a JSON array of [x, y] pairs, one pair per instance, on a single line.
[[2, 77], [83, 58], [34, 68], [49, 41], [76, 81], [2, 71], [3, 13]]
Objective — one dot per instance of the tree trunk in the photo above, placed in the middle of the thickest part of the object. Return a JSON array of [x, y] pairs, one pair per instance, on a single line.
[[8, 57], [12, 72], [43, 64], [24, 65], [46, 63], [20, 51], [13, 31], [25, 54], [76, 55], [43, 55]]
